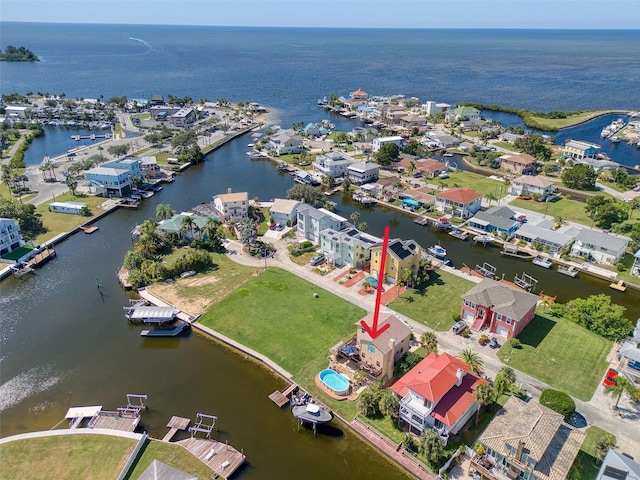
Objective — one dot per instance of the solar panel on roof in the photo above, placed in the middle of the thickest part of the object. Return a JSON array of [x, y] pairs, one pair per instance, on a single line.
[[399, 250]]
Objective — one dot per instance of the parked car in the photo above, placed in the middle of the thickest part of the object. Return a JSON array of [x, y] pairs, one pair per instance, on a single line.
[[317, 260], [459, 327], [610, 378]]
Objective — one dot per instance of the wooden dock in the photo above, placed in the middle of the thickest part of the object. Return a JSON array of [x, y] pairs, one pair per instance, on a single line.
[[619, 285], [89, 230], [115, 421], [42, 257], [282, 398], [175, 424], [220, 457], [421, 220]]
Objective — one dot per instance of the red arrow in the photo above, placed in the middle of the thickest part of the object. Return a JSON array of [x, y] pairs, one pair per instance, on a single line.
[[373, 331]]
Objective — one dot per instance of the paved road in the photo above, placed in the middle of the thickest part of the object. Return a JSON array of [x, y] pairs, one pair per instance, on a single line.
[[598, 411]]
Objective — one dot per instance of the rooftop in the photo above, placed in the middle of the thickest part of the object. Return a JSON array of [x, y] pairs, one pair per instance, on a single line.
[[459, 195], [509, 301], [397, 331]]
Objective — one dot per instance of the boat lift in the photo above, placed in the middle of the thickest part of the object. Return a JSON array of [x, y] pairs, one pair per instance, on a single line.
[[526, 282], [205, 424]]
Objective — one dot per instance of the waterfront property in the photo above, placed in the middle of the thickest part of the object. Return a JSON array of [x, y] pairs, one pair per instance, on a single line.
[[459, 202], [500, 308], [496, 219], [73, 208], [232, 206], [286, 141], [149, 167], [579, 150], [348, 246], [600, 247], [541, 233], [183, 117], [284, 212], [176, 225], [528, 185], [635, 268], [333, 164], [109, 181], [529, 441], [401, 255], [380, 141], [518, 163], [10, 237], [312, 221], [363, 172], [437, 394]]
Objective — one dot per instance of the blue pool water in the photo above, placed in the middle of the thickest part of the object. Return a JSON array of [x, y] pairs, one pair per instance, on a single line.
[[336, 382], [372, 281]]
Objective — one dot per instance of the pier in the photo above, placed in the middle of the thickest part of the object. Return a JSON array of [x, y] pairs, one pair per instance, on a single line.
[[175, 424], [42, 257], [220, 457], [281, 399]]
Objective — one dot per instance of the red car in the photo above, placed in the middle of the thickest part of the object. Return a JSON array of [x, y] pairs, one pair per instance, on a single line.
[[610, 378]]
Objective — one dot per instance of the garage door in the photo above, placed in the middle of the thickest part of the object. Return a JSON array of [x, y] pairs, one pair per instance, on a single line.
[[468, 316], [502, 330]]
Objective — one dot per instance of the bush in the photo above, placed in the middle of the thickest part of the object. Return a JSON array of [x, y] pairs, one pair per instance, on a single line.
[[620, 267], [558, 402], [515, 343]]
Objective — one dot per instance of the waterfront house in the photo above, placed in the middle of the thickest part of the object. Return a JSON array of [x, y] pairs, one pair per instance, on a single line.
[[617, 466], [149, 167], [17, 112], [438, 139], [73, 208], [518, 163], [312, 221], [380, 141], [630, 352], [459, 202], [526, 440], [410, 120], [509, 137], [232, 206], [284, 212], [10, 237], [580, 150], [635, 268], [176, 226], [600, 247], [286, 141], [496, 219], [363, 172], [348, 246], [401, 255], [332, 164], [463, 112], [427, 167], [431, 108], [387, 187], [157, 100], [543, 236], [422, 194], [131, 164], [529, 185], [437, 394], [500, 308], [379, 355], [109, 181], [183, 117]]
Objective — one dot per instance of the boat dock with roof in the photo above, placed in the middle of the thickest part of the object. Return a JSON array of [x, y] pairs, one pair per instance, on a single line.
[[150, 314]]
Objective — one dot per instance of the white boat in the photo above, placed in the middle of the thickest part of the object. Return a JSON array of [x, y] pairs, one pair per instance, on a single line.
[[250, 145], [568, 270], [484, 239], [542, 262], [437, 251]]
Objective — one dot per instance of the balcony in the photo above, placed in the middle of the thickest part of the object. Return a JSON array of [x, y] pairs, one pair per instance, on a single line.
[[487, 467]]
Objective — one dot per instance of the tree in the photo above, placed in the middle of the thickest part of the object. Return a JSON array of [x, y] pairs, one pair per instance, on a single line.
[[472, 359], [346, 186], [340, 138], [212, 234], [429, 341], [407, 362], [132, 260], [363, 226], [188, 225], [354, 217], [431, 445], [598, 314], [411, 167], [558, 221], [310, 195], [164, 211], [505, 379], [621, 386], [368, 403], [534, 145], [191, 154], [606, 212], [407, 276], [72, 184], [580, 177], [558, 402], [491, 197], [388, 403], [388, 153], [118, 150], [606, 442], [484, 395], [248, 232]]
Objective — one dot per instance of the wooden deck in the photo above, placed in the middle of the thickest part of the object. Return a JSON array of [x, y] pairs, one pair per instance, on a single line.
[[220, 457], [282, 398], [114, 421], [42, 257], [620, 286], [89, 230], [175, 424]]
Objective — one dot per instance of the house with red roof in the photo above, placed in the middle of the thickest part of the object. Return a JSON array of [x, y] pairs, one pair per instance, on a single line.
[[519, 163], [438, 394], [459, 202]]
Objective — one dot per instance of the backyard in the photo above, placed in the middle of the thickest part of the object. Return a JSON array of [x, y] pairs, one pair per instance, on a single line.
[[425, 302], [586, 462], [560, 353], [57, 223], [563, 207], [479, 183]]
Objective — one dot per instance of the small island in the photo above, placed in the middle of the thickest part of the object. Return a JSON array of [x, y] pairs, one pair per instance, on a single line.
[[18, 54]]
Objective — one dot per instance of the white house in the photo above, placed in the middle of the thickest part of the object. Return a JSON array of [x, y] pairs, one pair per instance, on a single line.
[[363, 172], [378, 142], [10, 237], [459, 202], [16, 112], [284, 211], [528, 185], [183, 117], [74, 208], [312, 221], [617, 466], [600, 247], [332, 164], [109, 181], [635, 268], [232, 206], [286, 141]]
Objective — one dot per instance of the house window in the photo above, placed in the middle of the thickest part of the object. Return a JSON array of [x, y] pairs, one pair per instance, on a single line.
[[466, 303], [377, 364], [508, 320], [371, 348], [473, 305]]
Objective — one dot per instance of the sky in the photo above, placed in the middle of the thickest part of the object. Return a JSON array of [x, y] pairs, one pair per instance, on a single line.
[[553, 14]]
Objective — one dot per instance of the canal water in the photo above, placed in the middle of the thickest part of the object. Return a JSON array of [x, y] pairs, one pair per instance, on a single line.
[[64, 344]]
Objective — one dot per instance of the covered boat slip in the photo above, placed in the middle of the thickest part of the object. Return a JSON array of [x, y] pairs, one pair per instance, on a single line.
[[150, 314]]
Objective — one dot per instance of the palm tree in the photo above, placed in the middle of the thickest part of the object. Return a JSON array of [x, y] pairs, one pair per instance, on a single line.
[[558, 221], [472, 359], [363, 226], [188, 225], [145, 246], [164, 211], [44, 169], [148, 227], [621, 386], [431, 445], [354, 217], [491, 197], [411, 167], [397, 186], [52, 168], [210, 231], [407, 276], [603, 445], [484, 395], [429, 341], [504, 380], [72, 184]]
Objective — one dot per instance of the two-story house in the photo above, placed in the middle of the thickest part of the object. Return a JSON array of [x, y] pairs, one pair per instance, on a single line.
[[348, 246], [232, 206], [380, 141], [526, 440], [401, 255], [437, 394], [284, 211], [10, 237], [528, 185], [500, 308], [379, 355], [109, 181], [600, 247], [332, 164], [286, 141], [363, 172], [312, 221], [518, 163], [149, 167], [580, 150], [459, 202]]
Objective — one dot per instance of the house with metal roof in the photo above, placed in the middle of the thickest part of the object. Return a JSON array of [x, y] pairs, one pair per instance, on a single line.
[[600, 247], [348, 246], [363, 172], [286, 141], [528, 185], [527, 440], [499, 308], [459, 202], [556, 241], [401, 255], [109, 181], [617, 466], [437, 394], [496, 219], [579, 150]]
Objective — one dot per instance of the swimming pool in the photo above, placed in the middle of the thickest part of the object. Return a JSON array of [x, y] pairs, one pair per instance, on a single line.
[[373, 281], [335, 382]]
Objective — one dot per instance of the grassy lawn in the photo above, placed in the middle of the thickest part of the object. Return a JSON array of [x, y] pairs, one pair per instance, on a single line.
[[57, 223], [586, 461], [505, 145], [560, 353], [424, 304], [69, 456], [556, 123], [568, 209], [296, 331], [479, 183], [172, 455]]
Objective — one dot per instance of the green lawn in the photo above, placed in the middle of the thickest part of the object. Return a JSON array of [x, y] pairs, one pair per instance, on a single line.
[[479, 183], [277, 315], [57, 223], [69, 456], [425, 303], [560, 353], [172, 455], [586, 461], [568, 209], [505, 145], [556, 123]]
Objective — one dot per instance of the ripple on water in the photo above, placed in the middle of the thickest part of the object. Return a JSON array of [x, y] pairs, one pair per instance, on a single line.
[[36, 380]]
